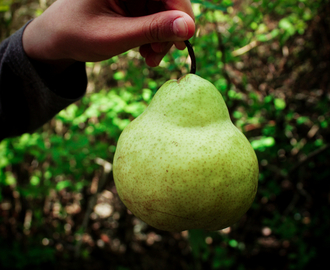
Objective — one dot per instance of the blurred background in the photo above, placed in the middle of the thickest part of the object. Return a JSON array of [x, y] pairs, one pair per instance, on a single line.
[[271, 62]]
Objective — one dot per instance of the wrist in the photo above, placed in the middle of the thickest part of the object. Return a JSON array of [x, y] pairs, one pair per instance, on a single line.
[[40, 47]]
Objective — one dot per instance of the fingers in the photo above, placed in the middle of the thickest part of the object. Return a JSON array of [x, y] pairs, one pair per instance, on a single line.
[[134, 8], [154, 53], [182, 5], [164, 28], [156, 33], [180, 45]]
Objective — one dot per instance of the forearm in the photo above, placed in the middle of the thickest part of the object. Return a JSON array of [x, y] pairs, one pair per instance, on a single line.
[[31, 93], [42, 70]]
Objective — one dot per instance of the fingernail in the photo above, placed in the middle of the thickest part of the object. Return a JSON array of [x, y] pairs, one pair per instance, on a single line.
[[180, 28]]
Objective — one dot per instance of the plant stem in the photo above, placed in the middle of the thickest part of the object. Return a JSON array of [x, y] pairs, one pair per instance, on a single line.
[[192, 56]]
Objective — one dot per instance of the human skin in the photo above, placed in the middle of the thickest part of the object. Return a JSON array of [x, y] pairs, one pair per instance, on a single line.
[[90, 31]]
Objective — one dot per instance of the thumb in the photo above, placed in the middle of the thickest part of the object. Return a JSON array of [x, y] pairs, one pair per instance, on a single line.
[[166, 26]]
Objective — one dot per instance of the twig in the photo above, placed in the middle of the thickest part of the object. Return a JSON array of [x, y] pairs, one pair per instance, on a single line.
[[246, 48], [309, 157]]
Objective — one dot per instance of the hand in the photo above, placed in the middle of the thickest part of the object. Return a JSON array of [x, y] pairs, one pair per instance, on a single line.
[[95, 30]]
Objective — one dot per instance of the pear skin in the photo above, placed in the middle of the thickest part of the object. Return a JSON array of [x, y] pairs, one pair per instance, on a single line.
[[182, 164]]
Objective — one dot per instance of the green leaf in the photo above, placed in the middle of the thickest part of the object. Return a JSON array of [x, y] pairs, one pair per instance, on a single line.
[[146, 94], [237, 114], [268, 99], [286, 25], [233, 243], [152, 85], [35, 180], [118, 76], [135, 108], [268, 36], [9, 179], [262, 143], [302, 120], [5, 5], [234, 95], [63, 184], [279, 104], [223, 6]]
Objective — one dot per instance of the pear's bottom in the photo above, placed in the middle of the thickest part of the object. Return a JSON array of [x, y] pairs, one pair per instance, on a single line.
[[209, 218]]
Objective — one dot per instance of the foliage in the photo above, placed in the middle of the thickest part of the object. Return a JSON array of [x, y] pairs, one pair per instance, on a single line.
[[270, 60]]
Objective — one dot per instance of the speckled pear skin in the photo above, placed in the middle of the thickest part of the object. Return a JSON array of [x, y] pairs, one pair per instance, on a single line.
[[182, 164]]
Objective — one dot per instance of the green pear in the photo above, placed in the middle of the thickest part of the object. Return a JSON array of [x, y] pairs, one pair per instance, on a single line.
[[182, 164]]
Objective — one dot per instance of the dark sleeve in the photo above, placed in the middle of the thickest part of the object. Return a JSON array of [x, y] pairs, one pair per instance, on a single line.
[[30, 94]]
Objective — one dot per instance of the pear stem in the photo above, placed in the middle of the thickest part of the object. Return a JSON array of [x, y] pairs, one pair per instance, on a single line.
[[192, 56]]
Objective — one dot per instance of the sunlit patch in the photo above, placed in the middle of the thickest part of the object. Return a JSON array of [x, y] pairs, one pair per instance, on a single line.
[[225, 230], [103, 210], [266, 231]]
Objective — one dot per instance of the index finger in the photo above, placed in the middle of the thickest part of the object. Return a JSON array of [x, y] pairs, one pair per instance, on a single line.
[[182, 5], [146, 7]]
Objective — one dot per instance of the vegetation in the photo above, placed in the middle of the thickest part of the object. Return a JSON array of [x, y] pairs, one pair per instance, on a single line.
[[270, 60]]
